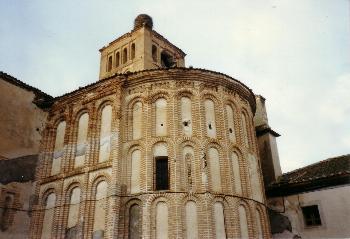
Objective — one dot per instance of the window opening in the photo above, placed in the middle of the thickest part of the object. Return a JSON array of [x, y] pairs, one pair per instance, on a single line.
[[209, 125], [311, 215], [167, 60], [133, 51], [109, 68], [117, 59], [162, 173], [231, 130], [125, 55], [154, 53]]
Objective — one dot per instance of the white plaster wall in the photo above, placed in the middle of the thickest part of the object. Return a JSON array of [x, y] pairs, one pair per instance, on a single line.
[[48, 216], [59, 148], [214, 165], [210, 118], [187, 156], [334, 208], [135, 171], [191, 220], [137, 120], [161, 117], [160, 149], [73, 214], [161, 220], [230, 124], [105, 134], [243, 222], [236, 173], [82, 140], [100, 206], [186, 116], [254, 178], [219, 219]]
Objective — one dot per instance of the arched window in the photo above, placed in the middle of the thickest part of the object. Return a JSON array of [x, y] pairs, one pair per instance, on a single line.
[[117, 59], [161, 117], [59, 148], [186, 116], [161, 167], [105, 134], [133, 51], [134, 222], [236, 173], [49, 212], [245, 129], [219, 218], [100, 210], [258, 224], [5, 216], [243, 222], [125, 55], [109, 64], [210, 118], [214, 167], [154, 53], [135, 171], [188, 174], [137, 120], [191, 220], [167, 60], [73, 212], [161, 220], [81, 146], [230, 123]]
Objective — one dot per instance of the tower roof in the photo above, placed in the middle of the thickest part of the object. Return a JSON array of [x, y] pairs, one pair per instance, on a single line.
[[143, 20]]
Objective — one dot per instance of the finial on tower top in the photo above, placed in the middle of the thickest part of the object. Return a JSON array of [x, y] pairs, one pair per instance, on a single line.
[[143, 20]]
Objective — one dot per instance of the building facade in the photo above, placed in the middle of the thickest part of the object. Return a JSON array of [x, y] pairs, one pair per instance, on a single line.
[[151, 150]]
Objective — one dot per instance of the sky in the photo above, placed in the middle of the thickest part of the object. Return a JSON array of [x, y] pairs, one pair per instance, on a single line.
[[296, 53]]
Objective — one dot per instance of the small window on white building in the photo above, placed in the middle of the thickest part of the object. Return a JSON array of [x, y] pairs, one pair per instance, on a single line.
[[311, 216]]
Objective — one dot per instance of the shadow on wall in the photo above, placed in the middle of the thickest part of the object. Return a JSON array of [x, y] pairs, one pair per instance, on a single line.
[[281, 226]]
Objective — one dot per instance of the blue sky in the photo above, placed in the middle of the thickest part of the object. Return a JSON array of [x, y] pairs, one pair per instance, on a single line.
[[295, 53]]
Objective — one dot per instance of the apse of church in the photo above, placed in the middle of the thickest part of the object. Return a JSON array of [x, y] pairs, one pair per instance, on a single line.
[[151, 150]]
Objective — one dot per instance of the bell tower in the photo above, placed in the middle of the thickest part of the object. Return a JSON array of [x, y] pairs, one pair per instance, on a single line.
[[141, 49]]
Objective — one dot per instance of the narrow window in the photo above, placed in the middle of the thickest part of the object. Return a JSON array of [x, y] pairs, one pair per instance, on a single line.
[[81, 146], [134, 222], [259, 225], [161, 117], [191, 220], [214, 170], [311, 216], [109, 67], [117, 59], [220, 230], [105, 133], [100, 209], [209, 108], [135, 171], [133, 51], [161, 220], [59, 148], [162, 175], [48, 216], [137, 120], [125, 55], [154, 53], [245, 130], [73, 213], [186, 116], [230, 123], [243, 222]]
